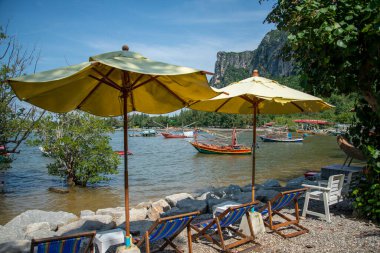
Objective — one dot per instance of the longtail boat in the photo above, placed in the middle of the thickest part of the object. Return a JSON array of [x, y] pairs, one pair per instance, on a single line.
[[275, 139], [233, 149], [187, 134]]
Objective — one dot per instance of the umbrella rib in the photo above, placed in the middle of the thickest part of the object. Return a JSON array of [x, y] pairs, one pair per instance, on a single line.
[[225, 102], [145, 82], [93, 90], [299, 107], [109, 81], [170, 91], [138, 79], [113, 85]]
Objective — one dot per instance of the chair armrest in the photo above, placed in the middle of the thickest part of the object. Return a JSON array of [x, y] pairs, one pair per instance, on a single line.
[[314, 187], [323, 182]]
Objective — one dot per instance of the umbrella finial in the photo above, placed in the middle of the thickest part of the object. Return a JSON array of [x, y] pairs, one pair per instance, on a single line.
[[255, 72], [125, 47]]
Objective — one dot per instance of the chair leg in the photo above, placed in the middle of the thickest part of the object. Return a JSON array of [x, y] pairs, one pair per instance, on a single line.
[[306, 204], [326, 204], [189, 242], [147, 247]]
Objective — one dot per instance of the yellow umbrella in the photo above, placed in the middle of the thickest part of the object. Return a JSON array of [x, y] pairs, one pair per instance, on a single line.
[[113, 84], [258, 95]]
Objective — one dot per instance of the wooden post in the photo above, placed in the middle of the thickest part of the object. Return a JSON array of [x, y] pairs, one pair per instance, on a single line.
[[254, 150], [126, 183]]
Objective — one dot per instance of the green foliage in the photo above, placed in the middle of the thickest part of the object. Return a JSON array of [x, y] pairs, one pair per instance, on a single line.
[[79, 145], [16, 120], [337, 45]]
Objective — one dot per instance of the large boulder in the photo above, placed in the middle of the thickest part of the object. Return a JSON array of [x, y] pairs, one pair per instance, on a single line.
[[38, 230], [248, 187], [271, 183], [172, 212], [297, 182], [16, 246], [233, 190], [115, 212], [90, 223], [157, 208], [143, 205], [8, 234], [191, 205], [137, 214], [173, 199], [244, 197], [213, 202], [265, 195], [18, 224], [85, 213]]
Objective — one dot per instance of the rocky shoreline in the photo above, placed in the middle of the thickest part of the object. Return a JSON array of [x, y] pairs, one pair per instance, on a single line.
[[344, 234]]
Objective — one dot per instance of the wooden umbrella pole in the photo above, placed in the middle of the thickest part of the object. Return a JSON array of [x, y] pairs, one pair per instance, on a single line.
[[126, 187], [254, 150]]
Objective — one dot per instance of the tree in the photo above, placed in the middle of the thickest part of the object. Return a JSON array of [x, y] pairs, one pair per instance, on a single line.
[[337, 46], [16, 119], [79, 145]]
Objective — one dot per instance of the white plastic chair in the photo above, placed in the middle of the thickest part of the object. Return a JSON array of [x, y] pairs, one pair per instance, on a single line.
[[330, 195]]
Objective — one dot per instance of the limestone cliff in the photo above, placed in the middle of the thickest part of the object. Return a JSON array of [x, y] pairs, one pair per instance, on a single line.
[[231, 66]]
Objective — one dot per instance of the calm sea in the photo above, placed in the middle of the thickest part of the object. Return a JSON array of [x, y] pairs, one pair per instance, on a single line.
[[157, 168]]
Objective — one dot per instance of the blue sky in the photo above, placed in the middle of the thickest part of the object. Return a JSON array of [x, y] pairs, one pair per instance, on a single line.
[[187, 32]]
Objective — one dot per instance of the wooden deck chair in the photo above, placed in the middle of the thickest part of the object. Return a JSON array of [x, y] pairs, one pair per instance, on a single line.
[[64, 244], [208, 229], [274, 207], [168, 229]]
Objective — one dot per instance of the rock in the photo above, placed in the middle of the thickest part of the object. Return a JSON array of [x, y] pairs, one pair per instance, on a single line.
[[265, 195], [38, 234], [191, 205], [16, 246], [212, 202], [88, 224], [18, 224], [203, 196], [248, 188], [156, 208], [85, 213], [145, 205], [139, 226], [173, 199], [244, 197], [232, 190], [58, 190], [271, 183], [265, 57], [172, 212], [7, 234], [137, 214], [116, 212], [106, 219], [219, 192], [37, 226]]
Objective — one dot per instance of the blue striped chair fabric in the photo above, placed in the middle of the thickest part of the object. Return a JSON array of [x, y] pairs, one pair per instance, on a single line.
[[230, 218], [169, 228], [60, 246], [282, 202]]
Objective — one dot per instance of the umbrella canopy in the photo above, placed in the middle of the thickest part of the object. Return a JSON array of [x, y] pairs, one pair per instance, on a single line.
[[97, 86], [258, 95], [113, 84]]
